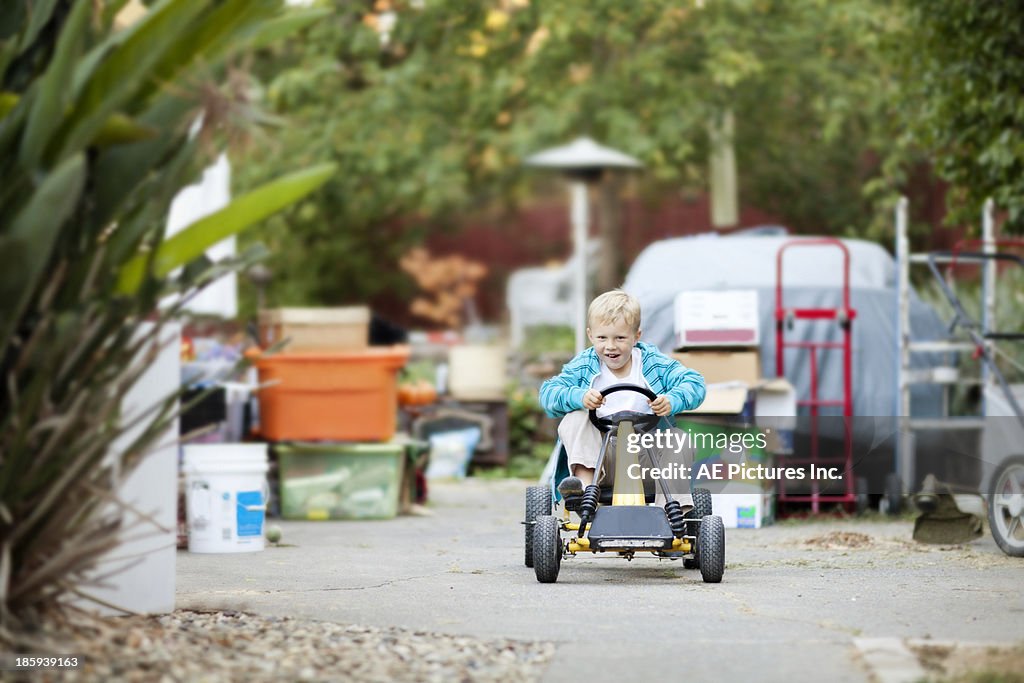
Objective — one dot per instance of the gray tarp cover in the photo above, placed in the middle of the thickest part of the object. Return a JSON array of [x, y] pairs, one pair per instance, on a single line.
[[812, 278]]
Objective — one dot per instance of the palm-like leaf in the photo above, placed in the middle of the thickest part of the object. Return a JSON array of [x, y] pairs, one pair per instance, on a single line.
[[93, 148]]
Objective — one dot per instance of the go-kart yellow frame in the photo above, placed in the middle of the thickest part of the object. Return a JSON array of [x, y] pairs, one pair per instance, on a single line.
[[625, 491]]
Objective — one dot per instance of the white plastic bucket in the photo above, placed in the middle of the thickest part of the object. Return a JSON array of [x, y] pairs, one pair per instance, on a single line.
[[226, 497]]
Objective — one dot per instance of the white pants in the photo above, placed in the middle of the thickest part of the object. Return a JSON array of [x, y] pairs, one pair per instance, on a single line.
[[581, 439]]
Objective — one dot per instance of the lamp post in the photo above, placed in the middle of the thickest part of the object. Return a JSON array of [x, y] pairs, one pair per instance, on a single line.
[[582, 161]]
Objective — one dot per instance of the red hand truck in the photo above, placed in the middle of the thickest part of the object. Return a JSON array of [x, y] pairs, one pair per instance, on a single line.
[[784, 319]]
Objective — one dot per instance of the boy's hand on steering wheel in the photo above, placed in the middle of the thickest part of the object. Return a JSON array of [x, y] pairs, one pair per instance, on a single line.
[[593, 399], [661, 406]]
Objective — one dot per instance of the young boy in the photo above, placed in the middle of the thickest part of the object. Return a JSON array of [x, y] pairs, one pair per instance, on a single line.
[[616, 357]]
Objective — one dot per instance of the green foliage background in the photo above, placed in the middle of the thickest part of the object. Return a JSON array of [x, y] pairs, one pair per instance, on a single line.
[[963, 69], [434, 123]]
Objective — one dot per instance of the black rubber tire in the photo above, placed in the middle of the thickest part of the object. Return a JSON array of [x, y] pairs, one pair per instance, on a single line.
[[863, 497], [894, 494], [1014, 547], [711, 543], [547, 549], [538, 504], [702, 503], [701, 509]]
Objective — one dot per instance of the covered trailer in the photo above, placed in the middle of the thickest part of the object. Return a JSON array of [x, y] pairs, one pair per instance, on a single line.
[[813, 279]]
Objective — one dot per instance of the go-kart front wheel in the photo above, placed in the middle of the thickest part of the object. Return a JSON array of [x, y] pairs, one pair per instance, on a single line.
[[711, 549], [547, 549], [538, 504]]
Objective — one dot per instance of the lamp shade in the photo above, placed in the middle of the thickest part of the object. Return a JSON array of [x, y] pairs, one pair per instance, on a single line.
[[581, 155]]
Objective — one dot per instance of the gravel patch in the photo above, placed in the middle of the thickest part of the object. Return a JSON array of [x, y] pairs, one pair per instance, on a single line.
[[233, 646], [840, 540], [971, 662]]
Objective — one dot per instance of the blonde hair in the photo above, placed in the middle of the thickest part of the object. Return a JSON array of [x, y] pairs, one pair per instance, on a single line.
[[612, 306]]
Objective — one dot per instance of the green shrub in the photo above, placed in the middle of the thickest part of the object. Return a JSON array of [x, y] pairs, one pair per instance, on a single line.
[[94, 145]]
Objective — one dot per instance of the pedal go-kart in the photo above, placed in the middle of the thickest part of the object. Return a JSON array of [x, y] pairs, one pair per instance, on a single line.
[[621, 522]]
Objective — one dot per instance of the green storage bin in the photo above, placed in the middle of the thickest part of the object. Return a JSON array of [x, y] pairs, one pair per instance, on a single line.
[[710, 438], [339, 481]]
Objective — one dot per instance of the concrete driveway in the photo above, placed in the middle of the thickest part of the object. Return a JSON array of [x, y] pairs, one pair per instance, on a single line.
[[799, 601]]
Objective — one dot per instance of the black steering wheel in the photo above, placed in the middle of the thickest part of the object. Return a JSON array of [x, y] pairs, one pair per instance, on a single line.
[[643, 422]]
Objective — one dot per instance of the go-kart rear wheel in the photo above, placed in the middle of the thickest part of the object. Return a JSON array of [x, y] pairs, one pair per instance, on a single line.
[[538, 504], [547, 549], [702, 503], [701, 509], [711, 549]]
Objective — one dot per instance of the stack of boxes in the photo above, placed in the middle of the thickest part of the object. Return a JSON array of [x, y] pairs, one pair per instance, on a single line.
[[329, 404], [717, 333]]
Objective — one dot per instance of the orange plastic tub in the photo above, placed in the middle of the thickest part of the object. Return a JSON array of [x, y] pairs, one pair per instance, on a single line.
[[341, 396]]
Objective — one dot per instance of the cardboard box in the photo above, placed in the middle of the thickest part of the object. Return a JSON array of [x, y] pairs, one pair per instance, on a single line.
[[733, 399], [775, 413], [771, 402], [751, 510], [741, 502], [765, 407], [316, 329], [717, 318], [723, 366]]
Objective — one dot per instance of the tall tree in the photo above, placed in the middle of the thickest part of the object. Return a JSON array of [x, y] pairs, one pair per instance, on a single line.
[[430, 107], [964, 104]]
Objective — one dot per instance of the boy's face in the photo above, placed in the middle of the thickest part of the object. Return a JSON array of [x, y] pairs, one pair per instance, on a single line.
[[613, 342]]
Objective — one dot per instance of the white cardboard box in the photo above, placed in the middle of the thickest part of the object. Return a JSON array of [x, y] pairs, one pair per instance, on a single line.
[[710, 318], [744, 510]]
